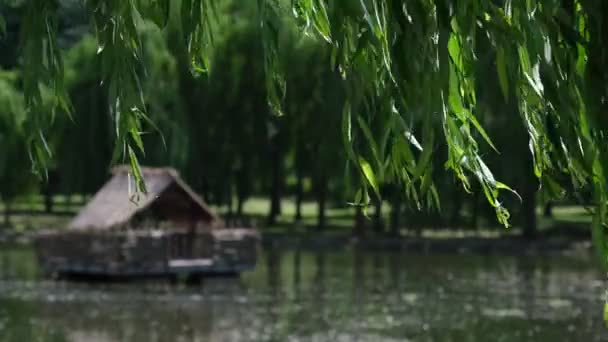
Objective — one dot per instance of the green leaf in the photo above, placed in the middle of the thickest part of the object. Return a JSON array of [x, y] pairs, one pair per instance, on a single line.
[[136, 136], [136, 169], [581, 60], [368, 17], [369, 174], [547, 50], [163, 7], [455, 53], [402, 128], [454, 96], [367, 133], [155, 10], [501, 68], [47, 149], [425, 157], [401, 156], [502, 186], [146, 118], [534, 80], [524, 59], [484, 172], [321, 19], [482, 131], [435, 197], [347, 132], [427, 182], [187, 24]]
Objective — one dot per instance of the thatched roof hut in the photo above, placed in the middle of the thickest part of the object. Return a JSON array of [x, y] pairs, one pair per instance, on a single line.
[[168, 200]]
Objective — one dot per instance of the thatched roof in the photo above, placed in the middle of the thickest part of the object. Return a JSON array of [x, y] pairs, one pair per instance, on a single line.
[[113, 205]]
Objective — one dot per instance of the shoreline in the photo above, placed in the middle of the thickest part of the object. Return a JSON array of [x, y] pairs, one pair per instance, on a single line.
[[501, 245], [507, 245]]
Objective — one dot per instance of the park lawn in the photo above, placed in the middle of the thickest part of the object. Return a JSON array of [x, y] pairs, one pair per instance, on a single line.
[[566, 221], [340, 220], [257, 208]]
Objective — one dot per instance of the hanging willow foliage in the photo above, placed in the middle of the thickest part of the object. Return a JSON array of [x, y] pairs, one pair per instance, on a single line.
[[420, 59], [413, 76]]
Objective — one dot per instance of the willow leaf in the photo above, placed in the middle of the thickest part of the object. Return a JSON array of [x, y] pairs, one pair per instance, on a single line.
[[481, 131], [369, 174], [367, 133], [501, 68], [136, 169], [503, 186], [347, 132], [321, 19]]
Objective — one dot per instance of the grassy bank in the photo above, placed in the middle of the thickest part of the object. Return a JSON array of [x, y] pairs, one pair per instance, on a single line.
[[29, 214]]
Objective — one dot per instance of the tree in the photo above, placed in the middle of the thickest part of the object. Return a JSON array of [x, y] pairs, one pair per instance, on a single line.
[[83, 141], [409, 70], [14, 157], [312, 107]]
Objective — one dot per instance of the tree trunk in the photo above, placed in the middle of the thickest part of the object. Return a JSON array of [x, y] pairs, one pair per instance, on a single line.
[[548, 211], [299, 193], [49, 188], [230, 205], [240, 202], [242, 187], [529, 212], [529, 201], [48, 200], [359, 228], [395, 214], [321, 199], [378, 224], [276, 184]]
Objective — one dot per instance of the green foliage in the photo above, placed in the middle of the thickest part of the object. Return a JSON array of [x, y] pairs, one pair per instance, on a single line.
[[83, 142], [14, 157], [422, 54], [42, 67], [412, 77]]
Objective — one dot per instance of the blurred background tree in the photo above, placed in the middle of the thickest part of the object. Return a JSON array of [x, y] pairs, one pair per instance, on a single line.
[[14, 161]]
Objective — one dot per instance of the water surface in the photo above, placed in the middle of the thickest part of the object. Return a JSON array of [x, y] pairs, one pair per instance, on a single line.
[[318, 296]]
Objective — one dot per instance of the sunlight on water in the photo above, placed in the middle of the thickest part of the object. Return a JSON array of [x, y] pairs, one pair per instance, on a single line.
[[317, 296]]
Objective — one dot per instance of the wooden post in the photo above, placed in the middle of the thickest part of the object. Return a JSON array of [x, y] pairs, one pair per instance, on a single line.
[[191, 232]]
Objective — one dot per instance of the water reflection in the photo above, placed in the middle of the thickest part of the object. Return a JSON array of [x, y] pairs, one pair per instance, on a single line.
[[317, 296]]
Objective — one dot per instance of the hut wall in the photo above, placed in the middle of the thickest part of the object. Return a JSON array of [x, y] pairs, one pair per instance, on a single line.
[[103, 253], [145, 252]]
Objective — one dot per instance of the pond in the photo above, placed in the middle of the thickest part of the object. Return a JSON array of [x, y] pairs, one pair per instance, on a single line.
[[295, 295]]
